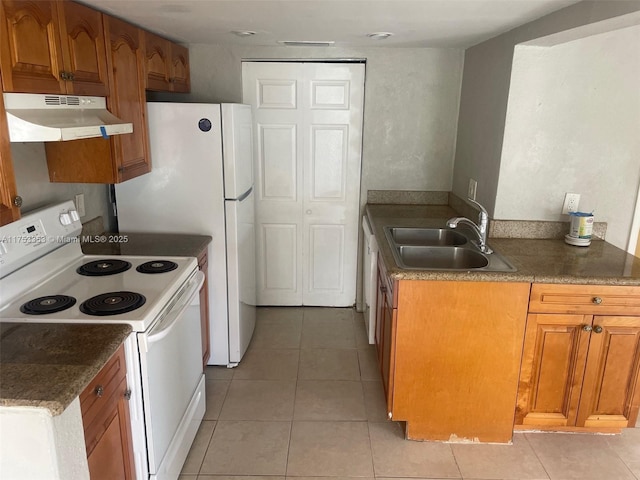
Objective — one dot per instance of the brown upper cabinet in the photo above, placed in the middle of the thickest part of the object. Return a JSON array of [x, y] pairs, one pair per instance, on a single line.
[[63, 47], [166, 64], [123, 157], [9, 200], [52, 47]]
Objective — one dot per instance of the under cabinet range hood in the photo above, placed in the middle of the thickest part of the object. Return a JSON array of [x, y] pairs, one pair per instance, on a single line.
[[54, 118]]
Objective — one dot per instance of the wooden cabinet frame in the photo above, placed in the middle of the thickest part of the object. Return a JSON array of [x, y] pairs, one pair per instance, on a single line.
[[52, 47], [581, 364]]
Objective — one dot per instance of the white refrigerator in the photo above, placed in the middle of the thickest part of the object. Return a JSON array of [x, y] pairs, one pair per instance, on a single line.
[[201, 182]]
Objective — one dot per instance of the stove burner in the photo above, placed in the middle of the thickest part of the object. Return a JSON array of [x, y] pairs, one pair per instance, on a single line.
[[112, 303], [49, 304], [103, 267], [157, 266]]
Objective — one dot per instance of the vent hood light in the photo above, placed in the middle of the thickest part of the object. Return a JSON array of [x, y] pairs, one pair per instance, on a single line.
[[306, 43], [54, 118], [244, 33], [379, 35]]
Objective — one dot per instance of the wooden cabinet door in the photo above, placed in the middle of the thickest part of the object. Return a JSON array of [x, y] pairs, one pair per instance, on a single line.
[[128, 99], [611, 387], [388, 349], [157, 61], [111, 458], [203, 265], [8, 192], [553, 363], [83, 49], [107, 425], [180, 78], [30, 51], [166, 65], [385, 331]]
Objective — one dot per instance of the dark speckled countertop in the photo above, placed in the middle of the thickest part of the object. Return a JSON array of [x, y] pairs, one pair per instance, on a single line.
[[539, 260], [48, 365], [148, 244]]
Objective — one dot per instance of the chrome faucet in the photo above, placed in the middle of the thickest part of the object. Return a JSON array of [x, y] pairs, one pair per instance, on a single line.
[[481, 229]]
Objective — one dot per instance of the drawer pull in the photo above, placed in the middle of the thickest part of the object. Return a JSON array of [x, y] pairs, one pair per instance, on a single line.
[[99, 391], [597, 300], [597, 329], [587, 328]]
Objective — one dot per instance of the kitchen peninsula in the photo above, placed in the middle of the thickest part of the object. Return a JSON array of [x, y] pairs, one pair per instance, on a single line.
[[450, 343], [44, 370]]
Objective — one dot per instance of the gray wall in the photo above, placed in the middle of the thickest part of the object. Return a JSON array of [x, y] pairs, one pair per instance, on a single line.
[[410, 112], [485, 91], [32, 180], [574, 117]]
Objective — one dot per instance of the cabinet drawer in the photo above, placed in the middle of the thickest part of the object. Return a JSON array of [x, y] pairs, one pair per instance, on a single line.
[[98, 401], [586, 299]]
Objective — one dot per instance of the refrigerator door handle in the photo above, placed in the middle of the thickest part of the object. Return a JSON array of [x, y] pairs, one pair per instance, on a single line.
[[243, 196]]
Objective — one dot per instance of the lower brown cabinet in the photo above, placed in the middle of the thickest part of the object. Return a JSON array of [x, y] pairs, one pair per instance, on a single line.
[[449, 355], [107, 428], [581, 359], [386, 309]]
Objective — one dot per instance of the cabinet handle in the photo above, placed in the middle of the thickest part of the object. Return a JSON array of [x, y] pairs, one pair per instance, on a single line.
[[587, 328], [383, 289], [99, 391], [597, 329], [17, 201], [64, 75], [127, 394], [597, 300]]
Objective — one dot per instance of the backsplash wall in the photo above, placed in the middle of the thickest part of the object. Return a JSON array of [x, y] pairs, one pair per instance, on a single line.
[[32, 179]]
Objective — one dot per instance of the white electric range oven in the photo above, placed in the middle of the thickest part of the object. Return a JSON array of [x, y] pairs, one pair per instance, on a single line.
[[45, 278]]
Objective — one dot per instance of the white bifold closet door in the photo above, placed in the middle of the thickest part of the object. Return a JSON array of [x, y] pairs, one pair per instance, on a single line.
[[308, 149]]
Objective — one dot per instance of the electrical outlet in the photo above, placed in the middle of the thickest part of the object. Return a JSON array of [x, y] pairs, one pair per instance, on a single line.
[[473, 187], [571, 201], [80, 205]]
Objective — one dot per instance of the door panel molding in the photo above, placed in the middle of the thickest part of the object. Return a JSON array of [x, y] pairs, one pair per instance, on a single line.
[[308, 177]]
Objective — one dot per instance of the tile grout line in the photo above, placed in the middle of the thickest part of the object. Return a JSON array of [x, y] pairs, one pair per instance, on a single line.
[[533, 449], [217, 420], [295, 394]]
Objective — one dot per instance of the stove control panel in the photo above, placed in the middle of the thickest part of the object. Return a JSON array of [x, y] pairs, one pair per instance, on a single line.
[[37, 234]]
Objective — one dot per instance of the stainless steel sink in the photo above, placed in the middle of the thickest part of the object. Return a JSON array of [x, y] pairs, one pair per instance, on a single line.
[[425, 236], [441, 249], [441, 258]]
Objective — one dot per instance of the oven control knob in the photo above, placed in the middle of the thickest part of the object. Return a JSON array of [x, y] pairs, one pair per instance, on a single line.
[[65, 219], [74, 215]]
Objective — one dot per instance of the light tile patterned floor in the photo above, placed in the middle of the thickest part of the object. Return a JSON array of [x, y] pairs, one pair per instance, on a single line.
[[306, 402]]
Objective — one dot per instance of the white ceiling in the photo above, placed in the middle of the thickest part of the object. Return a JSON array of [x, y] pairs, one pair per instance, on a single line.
[[414, 23]]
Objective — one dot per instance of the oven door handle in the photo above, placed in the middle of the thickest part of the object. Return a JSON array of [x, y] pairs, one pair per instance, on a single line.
[[174, 315]]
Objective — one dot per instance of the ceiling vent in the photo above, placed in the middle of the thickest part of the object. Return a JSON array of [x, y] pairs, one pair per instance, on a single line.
[[306, 43]]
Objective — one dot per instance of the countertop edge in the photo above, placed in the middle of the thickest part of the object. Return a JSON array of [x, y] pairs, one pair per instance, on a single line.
[[523, 273], [79, 380]]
